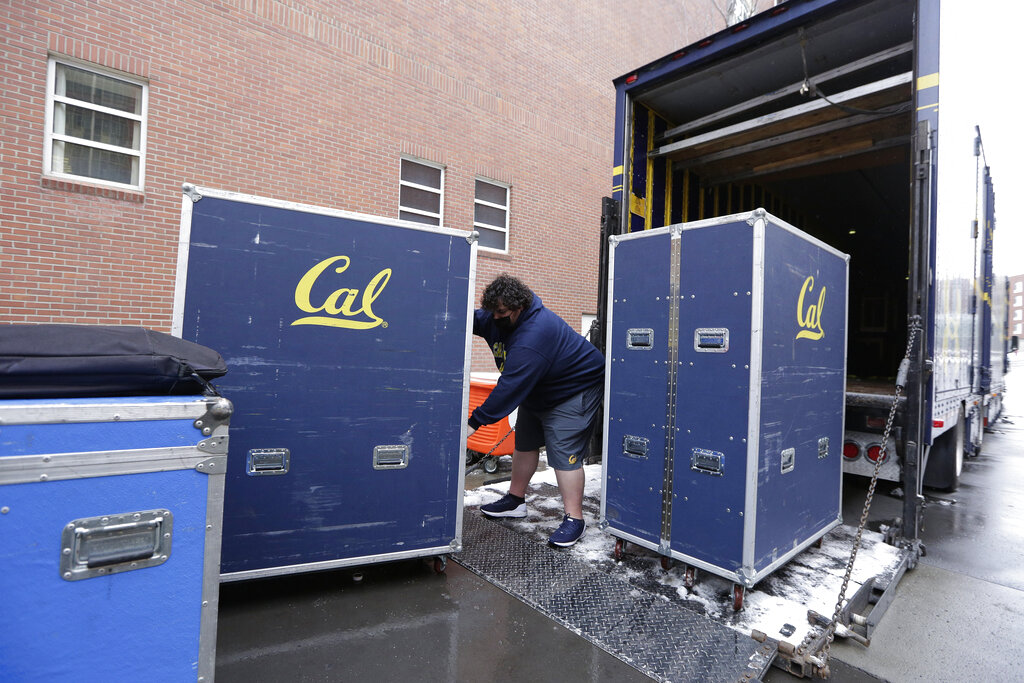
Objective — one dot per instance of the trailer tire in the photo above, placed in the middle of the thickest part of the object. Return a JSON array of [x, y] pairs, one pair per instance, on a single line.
[[946, 459]]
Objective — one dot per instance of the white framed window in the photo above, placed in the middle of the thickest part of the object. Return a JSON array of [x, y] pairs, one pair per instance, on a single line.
[[1017, 300], [421, 192], [1016, 328], [1017, 314], [95, 124], [1018, 286], [490, 214]]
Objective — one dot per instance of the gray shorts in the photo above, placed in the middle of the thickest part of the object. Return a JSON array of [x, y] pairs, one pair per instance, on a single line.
[[564, 429]]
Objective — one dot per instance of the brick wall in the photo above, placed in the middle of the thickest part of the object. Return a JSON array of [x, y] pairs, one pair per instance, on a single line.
[[306, 102]]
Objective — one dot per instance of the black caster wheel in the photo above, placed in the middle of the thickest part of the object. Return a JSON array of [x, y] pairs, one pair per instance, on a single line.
[[666, 563], [440, 564], [620, 549]]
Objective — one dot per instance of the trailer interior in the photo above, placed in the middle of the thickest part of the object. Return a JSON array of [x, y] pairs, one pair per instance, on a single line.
[[815, 126]]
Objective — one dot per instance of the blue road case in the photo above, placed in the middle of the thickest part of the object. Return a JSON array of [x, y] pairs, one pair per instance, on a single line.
[[725, 393], [346, 341], [110, 513]]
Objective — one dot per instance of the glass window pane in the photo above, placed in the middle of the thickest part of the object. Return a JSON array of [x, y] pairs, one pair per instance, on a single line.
[[95, 163], [97, 126], [417, 218], [421, 174], [489, 192], [99, 89], [492, 239], [415, 198], [489, 215]]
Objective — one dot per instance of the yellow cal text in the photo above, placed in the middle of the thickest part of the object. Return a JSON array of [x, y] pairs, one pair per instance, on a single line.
[[810, 318], [340, 306]]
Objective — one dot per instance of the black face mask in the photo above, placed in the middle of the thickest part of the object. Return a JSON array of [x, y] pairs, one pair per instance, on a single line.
[[503, 324]]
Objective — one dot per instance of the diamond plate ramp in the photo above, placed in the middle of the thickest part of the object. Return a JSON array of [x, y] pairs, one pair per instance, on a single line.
[[664, 640]]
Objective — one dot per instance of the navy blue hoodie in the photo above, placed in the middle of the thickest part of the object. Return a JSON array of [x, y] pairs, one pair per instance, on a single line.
[[543, 362]]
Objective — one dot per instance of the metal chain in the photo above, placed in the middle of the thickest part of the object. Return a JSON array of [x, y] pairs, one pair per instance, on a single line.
[[479, 463], [882, 457]]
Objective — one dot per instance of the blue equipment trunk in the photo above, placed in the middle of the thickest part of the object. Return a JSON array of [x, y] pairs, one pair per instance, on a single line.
[[725, 392], [346, 341], [110, 521]]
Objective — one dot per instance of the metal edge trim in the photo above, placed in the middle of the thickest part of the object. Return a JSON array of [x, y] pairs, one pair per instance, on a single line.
[[467, 363], [757, 286], [22, 469], [609, 308], [211, 577], [326, 211], [842, 430], [70, 413], [629, 236], [181, 269], [676, 555], [761, 573], [788, 227], [333, 564]]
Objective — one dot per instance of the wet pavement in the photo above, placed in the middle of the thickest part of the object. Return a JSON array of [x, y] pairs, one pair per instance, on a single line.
[[956, 617]]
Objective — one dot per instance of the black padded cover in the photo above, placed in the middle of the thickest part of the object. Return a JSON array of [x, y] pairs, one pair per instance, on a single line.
[[57, 361]]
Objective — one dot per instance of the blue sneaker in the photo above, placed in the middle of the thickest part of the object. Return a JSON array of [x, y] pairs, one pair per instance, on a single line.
[[568, 533], [506, 506]]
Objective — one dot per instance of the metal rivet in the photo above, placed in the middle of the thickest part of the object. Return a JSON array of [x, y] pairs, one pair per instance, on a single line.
[[46, 458], [4, 510], [43, 477]]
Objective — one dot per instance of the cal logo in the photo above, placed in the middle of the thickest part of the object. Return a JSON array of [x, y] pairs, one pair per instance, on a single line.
[[345, 307], [808, 315], [498, 350]]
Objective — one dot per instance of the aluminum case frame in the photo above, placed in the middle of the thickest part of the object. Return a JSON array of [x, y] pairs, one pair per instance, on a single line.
[[657, 534]]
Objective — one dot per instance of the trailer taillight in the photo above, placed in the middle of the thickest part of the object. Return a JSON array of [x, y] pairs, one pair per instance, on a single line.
[[705, 42], [740, 27], [679, 55], [779, 10], [631, 79], [938, 424], [875, 422], [851, 451], [875, 452]]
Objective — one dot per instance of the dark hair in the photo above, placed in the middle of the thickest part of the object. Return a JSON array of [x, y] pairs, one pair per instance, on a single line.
[[507, 290]]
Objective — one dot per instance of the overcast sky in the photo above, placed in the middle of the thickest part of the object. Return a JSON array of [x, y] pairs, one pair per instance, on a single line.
[[981, 49]]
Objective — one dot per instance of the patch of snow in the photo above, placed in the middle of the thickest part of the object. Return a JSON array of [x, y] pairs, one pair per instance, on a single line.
[[809, 581]]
